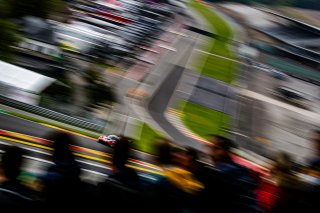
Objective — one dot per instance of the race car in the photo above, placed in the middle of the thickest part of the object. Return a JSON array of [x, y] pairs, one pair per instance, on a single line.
[[109, 140]]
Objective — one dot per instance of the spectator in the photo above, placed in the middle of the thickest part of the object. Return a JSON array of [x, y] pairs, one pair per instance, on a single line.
[[163, 153], [121, 172], [62, 184], [231, 188], [267, 193], [178, 190], [13, 195], [123, 187], [290, 189], [314, 171], [198, 169], [188, 160], [315, 163]]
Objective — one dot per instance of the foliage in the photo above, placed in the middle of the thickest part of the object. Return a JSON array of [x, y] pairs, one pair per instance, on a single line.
[[100, 93], [39, 8], [15, 9], [58, 91], [8, 37]]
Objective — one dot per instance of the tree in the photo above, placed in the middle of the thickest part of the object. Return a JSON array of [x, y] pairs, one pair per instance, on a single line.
[[4, 8], [39, 8], [99, 93], [310, 4], [8, 37], [58, 92], [8, 32]]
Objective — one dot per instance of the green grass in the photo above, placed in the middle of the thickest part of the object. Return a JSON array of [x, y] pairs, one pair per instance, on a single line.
[[202, 120], [199, 119], [214, 67], [148, 138]]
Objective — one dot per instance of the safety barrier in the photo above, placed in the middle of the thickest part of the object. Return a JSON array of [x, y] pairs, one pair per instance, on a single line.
[[51, 114]]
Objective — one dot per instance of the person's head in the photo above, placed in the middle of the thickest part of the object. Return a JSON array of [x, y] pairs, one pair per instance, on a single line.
[[192, 154], [61, 142], [121, 153], [163, 149], [180, 157], [185, 157], [11, 162], [283, 163], [220, 148]]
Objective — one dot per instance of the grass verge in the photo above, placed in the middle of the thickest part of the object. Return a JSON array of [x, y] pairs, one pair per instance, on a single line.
[[148, 138], [199, 119], [202, 120], [214, 67]]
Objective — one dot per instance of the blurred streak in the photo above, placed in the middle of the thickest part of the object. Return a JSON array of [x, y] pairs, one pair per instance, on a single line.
[[97, 64]]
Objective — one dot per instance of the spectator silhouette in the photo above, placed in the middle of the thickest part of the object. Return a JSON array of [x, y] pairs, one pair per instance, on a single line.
[[13, 195], [197, 168], [121, 172], [290, 188], [123, 187], [315, 163], [179, 189], [163, 149], [62, 184], [230, 188], [314, 171]]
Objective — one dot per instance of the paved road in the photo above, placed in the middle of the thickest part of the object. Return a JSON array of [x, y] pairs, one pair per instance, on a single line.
[[273, 128], [171, 71], [161, 83], [124, 110], [23, 126], [15, 124], [158, 106], [94, 159]]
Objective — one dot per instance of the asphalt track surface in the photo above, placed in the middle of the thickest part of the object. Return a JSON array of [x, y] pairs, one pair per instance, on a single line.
[[159, 102], [15, 124], [158, 105], [92, 157]]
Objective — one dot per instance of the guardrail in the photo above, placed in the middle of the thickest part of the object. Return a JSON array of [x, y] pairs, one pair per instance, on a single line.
[[51, 114]]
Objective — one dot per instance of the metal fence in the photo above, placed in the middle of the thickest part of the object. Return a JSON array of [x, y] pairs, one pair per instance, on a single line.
[[51, 114]]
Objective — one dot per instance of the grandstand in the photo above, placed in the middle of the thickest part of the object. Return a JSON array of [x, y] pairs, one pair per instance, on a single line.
[[297, 37]]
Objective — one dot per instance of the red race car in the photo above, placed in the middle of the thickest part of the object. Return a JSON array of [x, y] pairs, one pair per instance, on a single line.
[[109, 140]]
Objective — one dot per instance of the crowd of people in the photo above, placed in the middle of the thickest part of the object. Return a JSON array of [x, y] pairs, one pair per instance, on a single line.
[[186, 184]]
